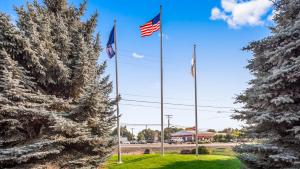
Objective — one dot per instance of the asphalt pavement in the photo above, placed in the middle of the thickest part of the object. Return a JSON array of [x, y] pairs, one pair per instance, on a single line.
[[154, 145]]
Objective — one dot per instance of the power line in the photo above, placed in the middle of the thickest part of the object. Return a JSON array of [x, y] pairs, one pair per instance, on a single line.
[[140, 124], [175, 104], [153, 124], [171, 108], [139, 95], [168, 98], [136, 95], [156, 97]]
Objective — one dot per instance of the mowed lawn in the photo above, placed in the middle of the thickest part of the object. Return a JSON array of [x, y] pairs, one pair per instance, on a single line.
[[174, 161]]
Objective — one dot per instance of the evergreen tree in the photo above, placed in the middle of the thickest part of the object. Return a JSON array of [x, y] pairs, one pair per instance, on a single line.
[[63, 43], [55, 108], [17, 46], [272, 102], [23, 116], [124, 133]]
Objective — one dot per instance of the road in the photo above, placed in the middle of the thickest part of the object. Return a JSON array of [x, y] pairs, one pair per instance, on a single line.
[[140, 148], [155, 145]]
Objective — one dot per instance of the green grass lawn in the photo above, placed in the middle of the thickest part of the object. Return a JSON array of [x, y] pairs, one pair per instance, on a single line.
[[174, 161]]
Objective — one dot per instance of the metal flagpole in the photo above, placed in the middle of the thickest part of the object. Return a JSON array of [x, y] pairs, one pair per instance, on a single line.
[[161, 85], [196, 107], [117, 93]]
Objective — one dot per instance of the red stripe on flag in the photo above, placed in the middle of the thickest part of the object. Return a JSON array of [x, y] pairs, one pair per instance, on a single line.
[[143, 35], [148, 28]]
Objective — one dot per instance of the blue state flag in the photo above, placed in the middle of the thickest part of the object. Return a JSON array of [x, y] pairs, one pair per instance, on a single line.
[[109, 49]]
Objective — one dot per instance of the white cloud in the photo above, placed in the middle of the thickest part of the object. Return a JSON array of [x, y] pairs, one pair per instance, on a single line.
[[137, 56], [238, 13]]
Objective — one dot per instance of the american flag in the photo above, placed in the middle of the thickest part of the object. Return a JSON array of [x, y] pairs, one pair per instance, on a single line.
[[151, 26]]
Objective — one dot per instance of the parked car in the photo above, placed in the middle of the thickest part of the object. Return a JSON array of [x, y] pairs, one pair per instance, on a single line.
[[125, 142], [150, 141], [176, 141], [134, 142], [142, 142]]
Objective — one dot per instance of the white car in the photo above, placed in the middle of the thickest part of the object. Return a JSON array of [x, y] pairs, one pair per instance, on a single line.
[[176, 140], [125, 142]]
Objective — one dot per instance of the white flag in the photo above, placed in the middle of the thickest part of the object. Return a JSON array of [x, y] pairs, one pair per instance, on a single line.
[[193, 70]]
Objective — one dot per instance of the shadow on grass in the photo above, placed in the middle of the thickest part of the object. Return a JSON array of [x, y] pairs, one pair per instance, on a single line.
[[141, 158], [203, 164]]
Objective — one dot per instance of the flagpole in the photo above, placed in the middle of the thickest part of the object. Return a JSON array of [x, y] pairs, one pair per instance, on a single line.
[[196, 106], [161, 85], [117, 93]]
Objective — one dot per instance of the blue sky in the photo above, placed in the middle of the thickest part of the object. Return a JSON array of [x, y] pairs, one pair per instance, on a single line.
[[220, 28]]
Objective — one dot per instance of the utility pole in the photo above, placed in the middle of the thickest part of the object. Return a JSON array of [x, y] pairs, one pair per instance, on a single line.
[[132, 133], [169, 116]]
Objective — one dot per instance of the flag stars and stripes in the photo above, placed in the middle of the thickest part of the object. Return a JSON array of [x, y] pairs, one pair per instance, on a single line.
[[150, 27]]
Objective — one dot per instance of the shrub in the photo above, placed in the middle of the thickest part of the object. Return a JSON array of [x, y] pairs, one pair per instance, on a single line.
[[201, 150], [147, 151], [186, 151]]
